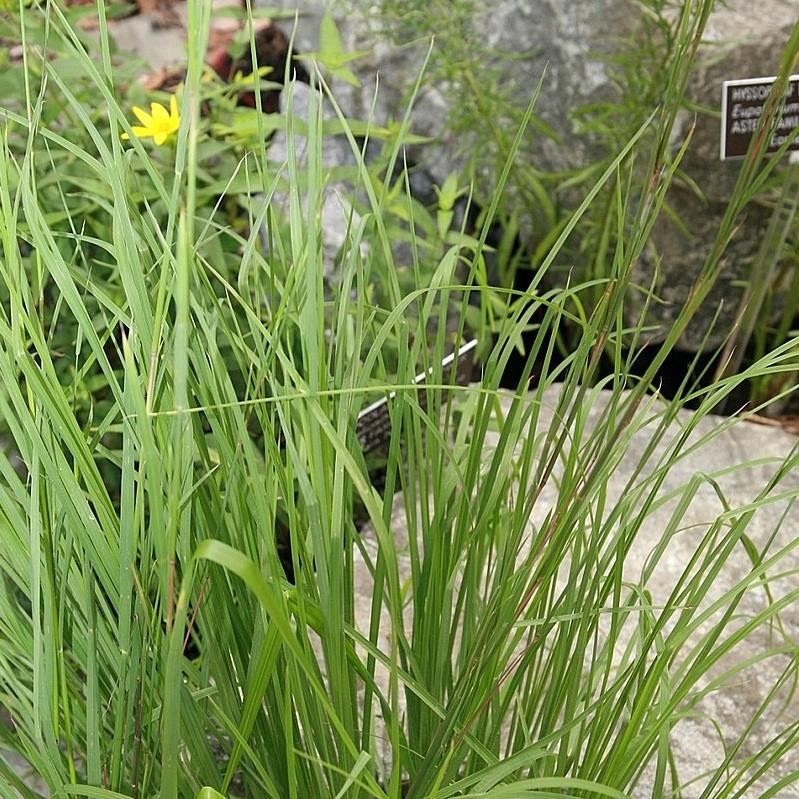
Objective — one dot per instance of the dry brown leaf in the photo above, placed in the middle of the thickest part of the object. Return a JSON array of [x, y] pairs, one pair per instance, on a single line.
[[787, 422]]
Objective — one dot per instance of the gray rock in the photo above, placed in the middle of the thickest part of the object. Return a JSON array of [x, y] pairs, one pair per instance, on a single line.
[[337, 214], [740, 44], [696, 740], [526, 39], [157, 45], [26, 773], [570, 40]]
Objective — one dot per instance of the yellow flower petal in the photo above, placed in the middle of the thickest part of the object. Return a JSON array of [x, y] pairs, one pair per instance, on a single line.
[[124, 136], [143, 116], [159, 124], [160, 114]]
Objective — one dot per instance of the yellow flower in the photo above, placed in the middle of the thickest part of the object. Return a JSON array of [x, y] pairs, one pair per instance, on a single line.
[[159, 123]]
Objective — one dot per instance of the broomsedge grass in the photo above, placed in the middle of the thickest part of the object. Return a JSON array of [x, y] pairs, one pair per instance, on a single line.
[[150, 644]]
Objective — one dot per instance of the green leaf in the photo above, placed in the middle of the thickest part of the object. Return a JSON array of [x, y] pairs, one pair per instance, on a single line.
[[330, 45], [209, 793]]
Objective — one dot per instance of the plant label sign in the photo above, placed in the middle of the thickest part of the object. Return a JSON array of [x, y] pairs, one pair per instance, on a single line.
[[373, 427], [742, 105]]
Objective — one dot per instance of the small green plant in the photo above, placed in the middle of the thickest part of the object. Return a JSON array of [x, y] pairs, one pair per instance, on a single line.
[[483, 103]]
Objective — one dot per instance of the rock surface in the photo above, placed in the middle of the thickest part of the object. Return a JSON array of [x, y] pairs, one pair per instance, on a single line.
[[158, 45], [567, 41], [337, 216], [570, 41], [696, 739], [740, 44], [27, 774]]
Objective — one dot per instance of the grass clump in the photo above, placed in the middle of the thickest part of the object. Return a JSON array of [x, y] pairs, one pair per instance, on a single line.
[[150, 643]]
